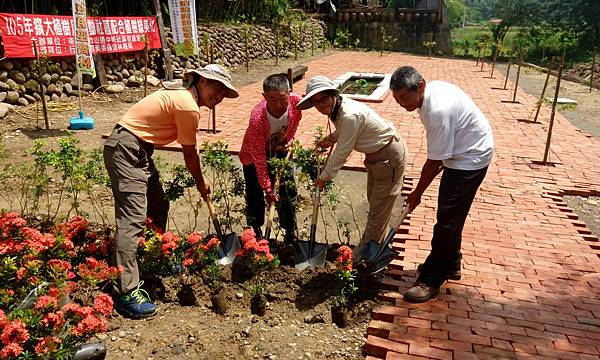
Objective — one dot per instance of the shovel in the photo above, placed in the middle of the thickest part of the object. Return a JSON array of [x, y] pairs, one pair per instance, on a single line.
[[309, 252], [230, 244], [374, 257], [269, 224]]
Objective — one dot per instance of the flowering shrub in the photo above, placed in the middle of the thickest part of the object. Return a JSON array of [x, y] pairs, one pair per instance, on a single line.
[[156, 250], [38, 273], [198, 254], [345, 277], [256, 255]]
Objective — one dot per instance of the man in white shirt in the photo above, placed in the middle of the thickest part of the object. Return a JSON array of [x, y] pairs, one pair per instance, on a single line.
[[459, 143]]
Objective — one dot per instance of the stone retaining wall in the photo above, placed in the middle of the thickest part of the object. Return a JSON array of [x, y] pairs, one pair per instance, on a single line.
[[20, 82]]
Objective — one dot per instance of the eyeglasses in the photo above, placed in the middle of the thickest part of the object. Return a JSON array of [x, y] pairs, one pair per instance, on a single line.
[[320, 101]]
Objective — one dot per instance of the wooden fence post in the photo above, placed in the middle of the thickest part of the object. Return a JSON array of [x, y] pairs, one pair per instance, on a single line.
[[554, 101], [42, 89]]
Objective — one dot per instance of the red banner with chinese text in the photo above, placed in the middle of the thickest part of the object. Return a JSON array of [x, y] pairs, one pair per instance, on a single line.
[[55, 37]]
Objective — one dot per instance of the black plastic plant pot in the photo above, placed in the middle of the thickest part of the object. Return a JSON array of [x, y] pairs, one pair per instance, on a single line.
[[341, 316], [219, 303], [258, 305]]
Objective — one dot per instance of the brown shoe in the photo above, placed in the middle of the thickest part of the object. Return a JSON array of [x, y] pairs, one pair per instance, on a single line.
[[421, 292], [452, 275]]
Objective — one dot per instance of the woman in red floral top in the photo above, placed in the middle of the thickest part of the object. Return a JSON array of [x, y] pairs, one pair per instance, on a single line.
[[272, 128]]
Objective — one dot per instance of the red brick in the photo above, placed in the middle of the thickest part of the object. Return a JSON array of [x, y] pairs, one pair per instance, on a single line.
[[580, 348], [464, 355], [557, 354], [492, 352], [396, 356], [429, 352], [502, 344], [379, 347], [434, 334], [582, 340], [382, 329], [387, 313], [408, 321], [451, 327], [475, 339], [524, 348], [451, 344]]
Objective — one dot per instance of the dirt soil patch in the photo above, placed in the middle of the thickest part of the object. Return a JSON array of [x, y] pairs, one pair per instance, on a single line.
[[297, 324]]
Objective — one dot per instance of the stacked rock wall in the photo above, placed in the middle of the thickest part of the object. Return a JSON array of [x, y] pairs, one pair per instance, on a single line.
[[20, 82]]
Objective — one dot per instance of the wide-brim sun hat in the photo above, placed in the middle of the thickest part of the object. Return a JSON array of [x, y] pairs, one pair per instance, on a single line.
[[315, 85], [212, 72]]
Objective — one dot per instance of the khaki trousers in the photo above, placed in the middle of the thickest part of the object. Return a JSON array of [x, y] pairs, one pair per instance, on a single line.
[[138, 195], [385, 175]]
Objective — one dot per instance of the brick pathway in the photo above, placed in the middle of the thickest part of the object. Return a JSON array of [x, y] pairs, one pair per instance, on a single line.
[[531, 283]]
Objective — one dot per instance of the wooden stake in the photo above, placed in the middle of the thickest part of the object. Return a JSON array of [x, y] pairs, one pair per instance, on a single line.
[[494, 61], [146, 66], [483, 55], [554, 101], [518, 75], [430, 45], [166, 52], [507, 72], [593, 66], [312, 41], [43, 91], [246, 36], [277, 46], [214, 120], [539, 105], [290, 74]]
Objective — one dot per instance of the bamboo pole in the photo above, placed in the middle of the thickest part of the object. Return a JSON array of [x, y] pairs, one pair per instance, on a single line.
[[42, 89], [494, 60], [514, 99], [146, 65], [554, 101], [593, 66], [483, 56], [541, 100], [507, 71]]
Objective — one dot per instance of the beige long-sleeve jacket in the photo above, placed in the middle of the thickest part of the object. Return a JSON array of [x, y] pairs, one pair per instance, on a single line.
[[359, 128]]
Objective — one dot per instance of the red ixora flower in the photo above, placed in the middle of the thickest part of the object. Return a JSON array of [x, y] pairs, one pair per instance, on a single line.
[[10, 351], [344, 254], [14, 332], [103, 304], [194, 237], [54, 320], [59, 266], [170, 241], [47, 344], [46, 302], [89, 325], [9, 222]]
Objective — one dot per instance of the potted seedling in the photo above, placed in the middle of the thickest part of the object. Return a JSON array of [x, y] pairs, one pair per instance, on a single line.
[[341, 313], [200, 256], [258, 300], [214, 280]]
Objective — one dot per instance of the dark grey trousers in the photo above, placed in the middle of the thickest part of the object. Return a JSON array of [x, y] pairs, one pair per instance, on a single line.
[[138, 195]]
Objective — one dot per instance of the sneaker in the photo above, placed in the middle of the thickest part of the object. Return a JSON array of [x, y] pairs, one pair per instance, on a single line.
[[136, 303], [421, 292], [452, 275]]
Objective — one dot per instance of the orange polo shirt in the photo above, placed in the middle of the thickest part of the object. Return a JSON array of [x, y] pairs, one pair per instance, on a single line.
[[163, 117]]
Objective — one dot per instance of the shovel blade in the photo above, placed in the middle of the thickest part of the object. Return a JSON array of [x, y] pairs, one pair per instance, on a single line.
[[319, 254], [306, 258], [383, 260], [229, 247], [374, 257], [302, 255]]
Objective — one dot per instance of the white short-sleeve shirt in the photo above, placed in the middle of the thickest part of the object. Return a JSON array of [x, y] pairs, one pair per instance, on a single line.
[[457, 131]]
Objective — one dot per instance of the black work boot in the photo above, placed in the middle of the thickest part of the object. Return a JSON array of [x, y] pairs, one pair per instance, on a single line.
[[452, 275]]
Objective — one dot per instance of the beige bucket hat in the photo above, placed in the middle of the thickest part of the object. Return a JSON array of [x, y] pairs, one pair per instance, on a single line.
[[315, 85], [212, 72]]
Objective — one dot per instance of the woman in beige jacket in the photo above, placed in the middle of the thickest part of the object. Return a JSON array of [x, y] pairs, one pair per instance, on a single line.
[[358, 127]]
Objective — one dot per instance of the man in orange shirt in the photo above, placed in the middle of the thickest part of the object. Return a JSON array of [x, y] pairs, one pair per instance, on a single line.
[[168, 115]]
